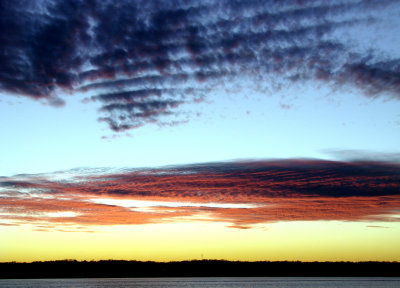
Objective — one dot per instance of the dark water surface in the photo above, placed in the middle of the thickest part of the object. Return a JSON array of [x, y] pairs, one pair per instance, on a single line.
[[295, 282]]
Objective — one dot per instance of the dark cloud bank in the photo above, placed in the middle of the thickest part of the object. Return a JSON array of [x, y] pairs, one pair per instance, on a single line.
[[141, 60], [238, 193]]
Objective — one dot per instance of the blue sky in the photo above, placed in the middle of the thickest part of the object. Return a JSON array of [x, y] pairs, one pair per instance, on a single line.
[[316, 121]]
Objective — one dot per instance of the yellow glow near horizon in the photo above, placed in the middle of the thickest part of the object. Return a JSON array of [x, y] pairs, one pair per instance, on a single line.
[[292, 241]]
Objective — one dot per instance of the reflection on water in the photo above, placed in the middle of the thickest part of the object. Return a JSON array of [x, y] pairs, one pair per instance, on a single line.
[[283, 282]]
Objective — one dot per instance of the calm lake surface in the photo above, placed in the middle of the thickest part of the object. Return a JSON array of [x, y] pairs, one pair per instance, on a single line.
[[294, 282]]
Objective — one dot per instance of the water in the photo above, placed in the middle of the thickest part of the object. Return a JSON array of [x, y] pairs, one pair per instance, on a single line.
[[282, 282]]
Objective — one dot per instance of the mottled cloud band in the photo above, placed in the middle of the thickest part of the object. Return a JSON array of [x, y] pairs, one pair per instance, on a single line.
[[238, 193], [143, 60]]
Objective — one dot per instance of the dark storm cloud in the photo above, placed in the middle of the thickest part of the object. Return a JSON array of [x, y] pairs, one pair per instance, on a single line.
[[122, 51], [240, 193]]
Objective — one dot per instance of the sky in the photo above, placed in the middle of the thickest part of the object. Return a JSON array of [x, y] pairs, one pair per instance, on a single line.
[[176, 130]]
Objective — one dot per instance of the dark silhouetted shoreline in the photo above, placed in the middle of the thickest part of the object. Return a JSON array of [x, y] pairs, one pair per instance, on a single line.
[[195, 268]]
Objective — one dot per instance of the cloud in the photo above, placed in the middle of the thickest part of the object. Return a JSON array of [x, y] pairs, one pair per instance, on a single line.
[[373, 78], [363, 155], [239, 193], [149, 50]]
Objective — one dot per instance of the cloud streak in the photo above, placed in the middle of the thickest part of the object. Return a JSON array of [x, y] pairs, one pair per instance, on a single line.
[[152, 57], [238, 193]]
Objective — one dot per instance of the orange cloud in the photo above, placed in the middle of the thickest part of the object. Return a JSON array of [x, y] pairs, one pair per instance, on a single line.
[[239, 193]]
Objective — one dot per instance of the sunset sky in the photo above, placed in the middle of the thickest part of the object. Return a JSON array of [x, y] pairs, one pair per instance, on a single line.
[[215, 129]]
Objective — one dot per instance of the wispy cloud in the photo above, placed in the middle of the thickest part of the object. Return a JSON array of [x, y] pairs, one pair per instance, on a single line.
[[376, 226], [151, 57], [239, 193]]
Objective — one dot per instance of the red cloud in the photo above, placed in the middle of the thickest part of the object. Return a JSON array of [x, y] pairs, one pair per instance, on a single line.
[[271, 191]]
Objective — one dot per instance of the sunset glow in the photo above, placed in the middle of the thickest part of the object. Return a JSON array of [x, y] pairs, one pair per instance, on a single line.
[[176, 130]]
